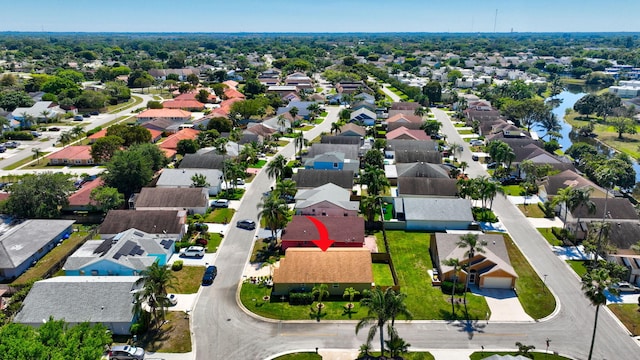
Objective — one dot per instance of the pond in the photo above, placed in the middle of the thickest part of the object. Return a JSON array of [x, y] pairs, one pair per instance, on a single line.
[[566, 100]]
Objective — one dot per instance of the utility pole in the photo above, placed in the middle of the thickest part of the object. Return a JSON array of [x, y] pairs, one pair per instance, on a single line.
[[495, 21]]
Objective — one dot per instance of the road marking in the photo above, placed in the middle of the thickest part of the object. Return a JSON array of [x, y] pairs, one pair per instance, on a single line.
[[306, 334]]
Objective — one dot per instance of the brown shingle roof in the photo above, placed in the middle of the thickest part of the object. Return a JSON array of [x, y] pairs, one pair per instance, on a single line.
[[341, 228], [149, 221], [314, 266], [172, 197], [617, 208]]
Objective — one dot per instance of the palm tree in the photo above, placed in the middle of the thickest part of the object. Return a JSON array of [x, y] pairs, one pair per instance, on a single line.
[[45, 114], [335, 127], [581, 197], [221, 147], [282, 122], [473, 246], [275, 213], [563, 197], [370, 206], [420, 111], [463, 165], [455, 263], [156, 280], [199, 181], [286, 188], [396, 345], [375, 179], [65, 138], [299, 141], [294, 112], [36, 154], [320, 290], [351, 294], [77, 131], [594, 285], [276, 166], [248, 154], [456, 149], [27, 119], [4, 122], [396, 305], [377, 315], [235, 135], [314, 110]]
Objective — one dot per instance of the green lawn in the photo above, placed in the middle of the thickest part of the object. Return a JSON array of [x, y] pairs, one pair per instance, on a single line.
[[410, 254], [382, 275], [232, 194], [550, 237], [629, 315], [214, 242], [306, 128], [187, 280], [220, 216], [534, 355], [607, 134], [410, 355], [27, 160], [531, 210], [534, 296], [512, 190], [259, 164], [579, 266], [388, 212], [465, 131]]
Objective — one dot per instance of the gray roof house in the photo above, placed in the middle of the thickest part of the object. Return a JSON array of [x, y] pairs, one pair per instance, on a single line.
[[106, 300], [420, 186], [181, 178], [301, 105], [307, 178], [326, 200], [193, 200], [433, 214], [172, 222], [333, 160], [209, 160], [350, 151], [27, 242], [126, 253]]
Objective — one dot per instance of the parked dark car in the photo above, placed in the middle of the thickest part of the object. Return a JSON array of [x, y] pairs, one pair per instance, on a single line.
[[510, 180], [209, 275], [246, 224], [474, 157], [54, 128], [95, 113], [86, 115], [492, 165], [12, 144]]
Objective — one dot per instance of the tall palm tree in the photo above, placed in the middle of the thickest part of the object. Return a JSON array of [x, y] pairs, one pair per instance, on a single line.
[[335, 127], [276, 166], [155, 280], [282, 122], [396, 345], [473, 246], [221, 147], [299, 142], [456, 149], [36, 154], [375, 179], [314, 110], [420, 111], [594, 285], [45, 114], [235, 135], [4, 122], [455, 263], [396, 306], [581, 197], [77, 131], [370, 206], [563, 197], [286, 188], [275, 213], [377, 315], [65, 138], [294, 112]]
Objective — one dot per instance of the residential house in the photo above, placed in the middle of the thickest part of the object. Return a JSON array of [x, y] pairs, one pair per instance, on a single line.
[[299, 80], [432, 214], [106, 300], [289, 97], [342, 140], [415, 170], [170, 222], [161, 74], [326, 200], [550, 186], [125, 254], [407, 120], [307, 178], [490, 269], [346, 231], [351, 129], [302, 107], [363, 104], [351, 87], [350, 151], [163, 126], [421, 186], [363, 116], [191, 96], [414, 156], [405, 108], [38, 112], [340, 268], [174, 115], [617, 209], [402, 133], [72, 155], [193, 200], [26, 242], [282, 90], [261, 130], [233, 93], [333, 160], [366, 97], [81, 200], [209, 160], [188, 105], [170, 144], [182, 178], [155, 135]]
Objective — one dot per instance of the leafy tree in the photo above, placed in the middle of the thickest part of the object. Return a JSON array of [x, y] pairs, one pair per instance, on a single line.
[[75, 76], [199, 181], [139, 79], [594, 285], [253, 88], [128, 171], [606, 104], [12, 99], [286, 188], [431, 127], [433, 90], [203, 96], [61, 87], [373, 157], [155, 280], [586, 105], [103, 149], [154, 105], [220, 124], [375, 179], [107, 198], [39, 196], [130, 134], [187, 146], [623, 125]]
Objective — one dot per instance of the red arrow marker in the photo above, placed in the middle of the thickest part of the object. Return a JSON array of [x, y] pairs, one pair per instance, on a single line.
[[324, 242]]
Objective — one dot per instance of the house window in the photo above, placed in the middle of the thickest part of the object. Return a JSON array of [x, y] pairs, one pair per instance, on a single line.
[[335, 286], [335, 165], [90, 161], [65, 161], [345, 214], [94, 272], [77, 161]]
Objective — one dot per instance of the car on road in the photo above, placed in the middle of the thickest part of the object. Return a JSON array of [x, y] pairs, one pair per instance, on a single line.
[[193, 251], [94, 113], [625, 287], [86, 115], [475, 157], [54, 128], [77, 118], [126, 352], [246, 224], [209, 275], [12, 144], [220, 203], [2, 148], [510, 180]]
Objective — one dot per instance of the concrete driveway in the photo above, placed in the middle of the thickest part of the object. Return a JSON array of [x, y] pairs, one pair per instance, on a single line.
[[206, 260], [504, 305]]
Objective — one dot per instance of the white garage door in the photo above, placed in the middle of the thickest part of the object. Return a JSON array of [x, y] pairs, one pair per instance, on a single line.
[[497, 282]]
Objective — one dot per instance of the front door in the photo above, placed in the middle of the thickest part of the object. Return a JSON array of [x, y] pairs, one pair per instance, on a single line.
[[472, 277]]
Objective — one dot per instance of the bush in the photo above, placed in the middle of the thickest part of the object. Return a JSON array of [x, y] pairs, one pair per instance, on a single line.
[[18, 135], [177, 265], [182, 244], [94, 130], [301, 298], [484, 215], [202, 242], [547, 209], [447, 286]]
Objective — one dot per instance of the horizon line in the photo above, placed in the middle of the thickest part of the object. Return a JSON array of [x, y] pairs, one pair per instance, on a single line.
[[315, 32]]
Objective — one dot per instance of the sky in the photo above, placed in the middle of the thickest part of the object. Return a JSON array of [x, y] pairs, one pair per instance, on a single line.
[[320, 16]]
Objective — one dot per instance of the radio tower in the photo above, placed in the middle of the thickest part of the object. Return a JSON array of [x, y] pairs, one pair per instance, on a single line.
[[495, 21]]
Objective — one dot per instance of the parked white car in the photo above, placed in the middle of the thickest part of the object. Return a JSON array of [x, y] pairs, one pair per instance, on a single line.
[[193, 251]]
